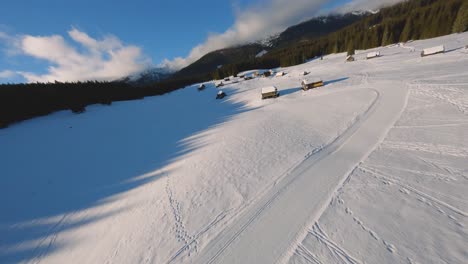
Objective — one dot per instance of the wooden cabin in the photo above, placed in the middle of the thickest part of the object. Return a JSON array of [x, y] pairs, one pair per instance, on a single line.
[[201, 87], [280, 74], [373, 55], [350, 58], [220, 95], [269, 92], [311, 84], [433, 51], [266, 74]]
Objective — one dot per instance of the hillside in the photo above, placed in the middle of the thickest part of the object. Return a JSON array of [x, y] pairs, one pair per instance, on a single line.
[[370, 168]]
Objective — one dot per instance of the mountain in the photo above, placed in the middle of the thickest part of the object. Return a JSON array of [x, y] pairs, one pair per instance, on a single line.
[[307, 30], [316, 27], [216, 59], [149, 76]]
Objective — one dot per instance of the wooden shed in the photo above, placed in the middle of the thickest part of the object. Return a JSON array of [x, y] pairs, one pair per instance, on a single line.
[[311, 83], [266, 74], [220, 95], [433, 51], [373, 55], [280, 74], [269, 92]]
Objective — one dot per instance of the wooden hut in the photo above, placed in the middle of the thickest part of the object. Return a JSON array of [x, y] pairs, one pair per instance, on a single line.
[[269, 92], [220, 95], [311, 84], [280, 74], [373, 55], [433, 51]]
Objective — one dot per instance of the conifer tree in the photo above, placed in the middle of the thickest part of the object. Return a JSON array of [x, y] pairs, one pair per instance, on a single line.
[[461, 22]]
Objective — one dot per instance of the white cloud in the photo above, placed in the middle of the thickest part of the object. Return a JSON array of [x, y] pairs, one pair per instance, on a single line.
[[364, 5], [7, 74], [265, 19], [104, 59], [254, 23]]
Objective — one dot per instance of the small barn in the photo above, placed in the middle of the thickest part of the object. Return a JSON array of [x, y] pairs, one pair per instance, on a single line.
[[433, 51], [373, 55], [311, 84], [220, 95], [219, 84], [269, 92], [350, 58], [201, 87], [280, 74], [266, 74]]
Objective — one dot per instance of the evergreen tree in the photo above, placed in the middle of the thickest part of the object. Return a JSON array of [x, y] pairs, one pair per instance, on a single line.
[[461, 22]]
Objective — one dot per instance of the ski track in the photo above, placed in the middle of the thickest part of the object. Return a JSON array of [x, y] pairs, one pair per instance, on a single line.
[[233, 244], [338, 252], [422, 196]]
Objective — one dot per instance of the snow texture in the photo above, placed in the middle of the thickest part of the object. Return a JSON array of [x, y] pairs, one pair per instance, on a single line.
[[369, 168]]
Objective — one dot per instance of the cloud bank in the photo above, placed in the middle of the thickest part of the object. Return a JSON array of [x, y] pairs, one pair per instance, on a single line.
[[254, 23], [266, 19], [85, 58]]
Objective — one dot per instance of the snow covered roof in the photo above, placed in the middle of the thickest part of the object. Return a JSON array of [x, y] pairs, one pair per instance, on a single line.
[[373, 54], [269, 89], [434, 50], [311, 81], [280, 74]]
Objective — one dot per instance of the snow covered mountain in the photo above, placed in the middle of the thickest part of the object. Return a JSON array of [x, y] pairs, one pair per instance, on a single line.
[[370, 168], [149, 76]]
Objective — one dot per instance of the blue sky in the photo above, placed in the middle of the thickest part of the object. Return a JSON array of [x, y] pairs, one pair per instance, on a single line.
[[150, 31]]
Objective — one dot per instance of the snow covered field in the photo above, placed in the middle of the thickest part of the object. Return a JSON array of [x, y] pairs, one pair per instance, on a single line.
[[372, 167]]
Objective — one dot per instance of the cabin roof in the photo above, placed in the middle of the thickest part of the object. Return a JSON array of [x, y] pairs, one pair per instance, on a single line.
[[269, 89], [311, 81], [434, 49], [373, 54], [281, 73]]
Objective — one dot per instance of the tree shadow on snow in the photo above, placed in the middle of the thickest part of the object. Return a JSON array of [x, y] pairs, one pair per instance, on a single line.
[[55, 166]]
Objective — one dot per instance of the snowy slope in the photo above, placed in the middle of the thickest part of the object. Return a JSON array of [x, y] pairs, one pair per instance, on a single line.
[[185, 178]]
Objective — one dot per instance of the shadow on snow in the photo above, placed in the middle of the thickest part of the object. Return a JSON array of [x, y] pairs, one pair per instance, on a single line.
[[56, 165]]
